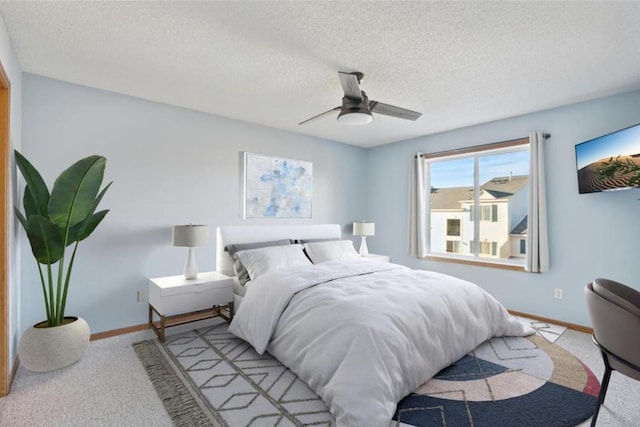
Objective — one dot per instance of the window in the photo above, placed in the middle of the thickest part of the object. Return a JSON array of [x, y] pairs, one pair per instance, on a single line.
[[479, 195], [523, 246], [453, 246], [453, 228], [487, 213], [486, 248]]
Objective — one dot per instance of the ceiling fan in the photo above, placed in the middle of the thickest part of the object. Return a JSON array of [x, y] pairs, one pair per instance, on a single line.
[[357, 109]]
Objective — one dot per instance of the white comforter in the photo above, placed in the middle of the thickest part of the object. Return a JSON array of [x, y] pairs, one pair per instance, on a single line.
[[364, 334]]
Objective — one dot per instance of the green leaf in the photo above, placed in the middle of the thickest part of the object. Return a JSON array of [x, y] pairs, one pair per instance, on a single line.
[[29, 204], [82, 229], [45, 239], [21, 218], [38, 188], [90, 224], [72, 235], [75, 190], [100, 196]]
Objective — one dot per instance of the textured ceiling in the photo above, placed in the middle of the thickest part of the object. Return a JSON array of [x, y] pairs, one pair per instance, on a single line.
[[275, 63]]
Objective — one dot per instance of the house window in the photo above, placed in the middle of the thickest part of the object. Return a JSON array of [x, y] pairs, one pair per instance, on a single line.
[[453, 227], [453, 246], [486, 248], [480, 195], [523, 246], [487, 213]]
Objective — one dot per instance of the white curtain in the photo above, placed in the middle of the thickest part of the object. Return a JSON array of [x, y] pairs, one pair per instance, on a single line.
[[418, 195], [538, 251]]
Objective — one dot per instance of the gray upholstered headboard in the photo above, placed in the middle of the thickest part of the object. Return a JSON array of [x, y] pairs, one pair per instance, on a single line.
[[264, 233]]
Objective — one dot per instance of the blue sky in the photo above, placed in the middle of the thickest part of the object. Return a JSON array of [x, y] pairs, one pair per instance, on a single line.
[[625, 142], [459, 172]]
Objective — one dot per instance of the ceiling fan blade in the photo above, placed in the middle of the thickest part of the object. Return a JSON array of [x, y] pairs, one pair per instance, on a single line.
[[350, 85], [319, 115], [393, 111]]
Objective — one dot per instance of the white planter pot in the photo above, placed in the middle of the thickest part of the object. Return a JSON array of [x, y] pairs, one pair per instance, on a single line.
[[47, 348]]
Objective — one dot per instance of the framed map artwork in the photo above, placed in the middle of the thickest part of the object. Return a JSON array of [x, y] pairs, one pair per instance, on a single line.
[[276, 187]]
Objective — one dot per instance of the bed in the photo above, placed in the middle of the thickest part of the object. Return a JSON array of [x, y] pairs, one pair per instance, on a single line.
[[361, 333]]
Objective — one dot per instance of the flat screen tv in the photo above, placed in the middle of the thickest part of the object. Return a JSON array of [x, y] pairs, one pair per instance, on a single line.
[[609, 162]]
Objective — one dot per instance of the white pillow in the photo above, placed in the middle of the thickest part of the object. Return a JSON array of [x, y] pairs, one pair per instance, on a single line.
[[330, 251], [263, 260]]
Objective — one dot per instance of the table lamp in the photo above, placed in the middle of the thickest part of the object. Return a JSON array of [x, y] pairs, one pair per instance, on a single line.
[[190, 236], [364, 229]]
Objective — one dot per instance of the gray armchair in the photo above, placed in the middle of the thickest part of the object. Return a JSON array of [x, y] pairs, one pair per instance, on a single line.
[[615, 316]]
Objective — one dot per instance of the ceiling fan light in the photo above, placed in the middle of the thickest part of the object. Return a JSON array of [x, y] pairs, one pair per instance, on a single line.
[[355, 118], [355, 112]]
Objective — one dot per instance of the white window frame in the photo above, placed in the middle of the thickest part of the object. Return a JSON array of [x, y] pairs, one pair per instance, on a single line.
[[475, 153]]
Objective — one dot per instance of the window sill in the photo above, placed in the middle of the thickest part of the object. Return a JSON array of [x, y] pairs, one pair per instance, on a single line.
[[466, 261]]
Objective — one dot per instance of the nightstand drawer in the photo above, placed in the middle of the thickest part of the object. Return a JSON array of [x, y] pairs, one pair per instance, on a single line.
[[192, 301], [175, 295]]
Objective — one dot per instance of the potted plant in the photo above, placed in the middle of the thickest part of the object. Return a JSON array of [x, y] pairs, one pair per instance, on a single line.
[[55, 223]]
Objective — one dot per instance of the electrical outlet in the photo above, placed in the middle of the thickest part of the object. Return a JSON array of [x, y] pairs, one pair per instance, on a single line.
[[142, 295], [557, 293]]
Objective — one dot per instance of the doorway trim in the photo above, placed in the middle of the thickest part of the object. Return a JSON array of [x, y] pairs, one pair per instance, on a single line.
[[5, 106]]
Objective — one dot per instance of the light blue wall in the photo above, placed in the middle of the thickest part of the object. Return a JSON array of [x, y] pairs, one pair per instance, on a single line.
[[173, 166], [14, 73], [169, 166], [591, 235]]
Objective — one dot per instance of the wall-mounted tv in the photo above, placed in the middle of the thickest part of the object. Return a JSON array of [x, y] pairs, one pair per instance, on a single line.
[[609, 162]]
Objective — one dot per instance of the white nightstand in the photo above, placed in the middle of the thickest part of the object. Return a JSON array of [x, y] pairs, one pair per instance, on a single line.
[[381, 258], [178, 300]]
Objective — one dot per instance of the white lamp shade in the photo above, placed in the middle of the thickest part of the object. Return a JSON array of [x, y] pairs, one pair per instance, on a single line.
[[364, 228], [190, 235], [355, 118]]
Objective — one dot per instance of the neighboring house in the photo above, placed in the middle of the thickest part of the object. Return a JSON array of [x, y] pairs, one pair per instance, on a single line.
[[503, 218]]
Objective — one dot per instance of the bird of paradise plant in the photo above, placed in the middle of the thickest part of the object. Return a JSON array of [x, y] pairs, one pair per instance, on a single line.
[[60, 219]]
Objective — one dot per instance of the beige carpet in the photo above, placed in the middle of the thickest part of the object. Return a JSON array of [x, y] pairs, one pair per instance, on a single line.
[[109, 387]]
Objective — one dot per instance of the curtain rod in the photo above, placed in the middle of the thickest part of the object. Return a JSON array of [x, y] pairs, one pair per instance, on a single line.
[[517, 141]]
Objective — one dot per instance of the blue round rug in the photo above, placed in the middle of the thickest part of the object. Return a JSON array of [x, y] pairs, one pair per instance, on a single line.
[[506, 382]]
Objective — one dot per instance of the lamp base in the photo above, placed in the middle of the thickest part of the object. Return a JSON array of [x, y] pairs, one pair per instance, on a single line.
[[190, 268], [364, 251]]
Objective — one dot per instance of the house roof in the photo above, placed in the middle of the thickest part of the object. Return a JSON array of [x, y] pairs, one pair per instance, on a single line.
[[521, 228], [501, 187], [449, 198], [498, 194], [508, 185]]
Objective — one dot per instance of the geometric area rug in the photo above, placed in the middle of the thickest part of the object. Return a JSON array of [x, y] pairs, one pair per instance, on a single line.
[[209, 377]]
